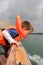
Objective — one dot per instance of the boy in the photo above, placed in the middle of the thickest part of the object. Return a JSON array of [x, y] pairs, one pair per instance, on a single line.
[[14, 33]]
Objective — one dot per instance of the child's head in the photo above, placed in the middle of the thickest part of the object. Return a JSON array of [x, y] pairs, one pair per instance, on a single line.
[[27, 26]]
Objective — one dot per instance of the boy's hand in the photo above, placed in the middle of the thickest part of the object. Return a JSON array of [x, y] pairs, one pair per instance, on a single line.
[[15, 43]]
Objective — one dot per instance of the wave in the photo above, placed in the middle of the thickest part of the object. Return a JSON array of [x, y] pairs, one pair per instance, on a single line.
[[36, 58]]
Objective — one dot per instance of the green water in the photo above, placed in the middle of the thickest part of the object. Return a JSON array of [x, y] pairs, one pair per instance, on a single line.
[[33, 63], [34, 45]]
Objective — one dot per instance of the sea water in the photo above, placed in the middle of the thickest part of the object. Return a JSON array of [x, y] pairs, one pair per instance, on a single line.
[[34, 48]]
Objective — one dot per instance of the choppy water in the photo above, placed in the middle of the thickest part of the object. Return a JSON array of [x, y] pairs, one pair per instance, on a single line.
[[36, 58], [34, 48]]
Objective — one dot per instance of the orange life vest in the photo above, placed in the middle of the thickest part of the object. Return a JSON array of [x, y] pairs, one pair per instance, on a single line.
[[17, 27]]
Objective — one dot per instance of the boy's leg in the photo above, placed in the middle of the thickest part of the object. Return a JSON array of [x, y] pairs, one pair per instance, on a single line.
[[2, 57], [3, 51], [6, 50]]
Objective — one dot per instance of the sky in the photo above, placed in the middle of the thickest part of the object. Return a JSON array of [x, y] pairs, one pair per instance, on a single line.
[[31, 10]]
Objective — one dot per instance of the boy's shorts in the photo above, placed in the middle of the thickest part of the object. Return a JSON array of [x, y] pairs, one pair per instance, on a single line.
[[2, 50]]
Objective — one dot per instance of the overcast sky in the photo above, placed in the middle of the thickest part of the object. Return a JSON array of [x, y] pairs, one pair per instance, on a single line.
[[31, 10]]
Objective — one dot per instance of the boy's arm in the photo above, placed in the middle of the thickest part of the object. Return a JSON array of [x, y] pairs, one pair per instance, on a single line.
[[8, 37]]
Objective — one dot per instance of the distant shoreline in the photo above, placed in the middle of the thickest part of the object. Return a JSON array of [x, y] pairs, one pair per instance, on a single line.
[[36, 33]]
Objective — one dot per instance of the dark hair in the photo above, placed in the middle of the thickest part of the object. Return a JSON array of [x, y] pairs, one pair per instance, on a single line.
[[27, 25]]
